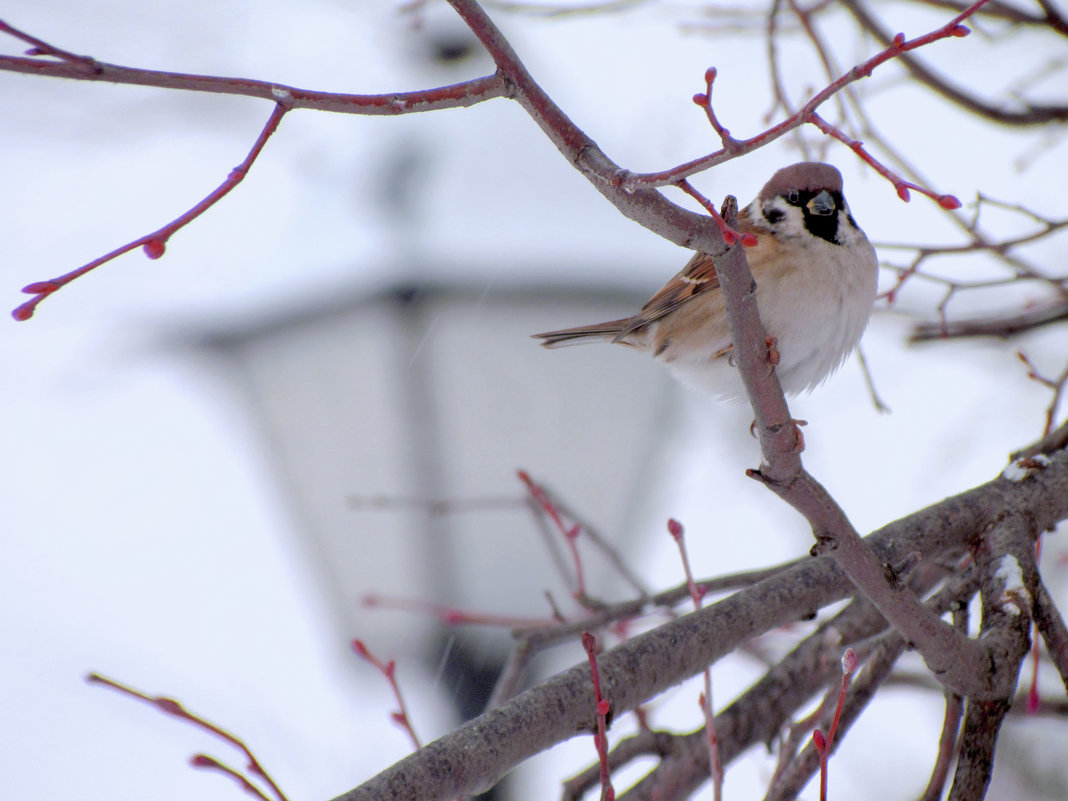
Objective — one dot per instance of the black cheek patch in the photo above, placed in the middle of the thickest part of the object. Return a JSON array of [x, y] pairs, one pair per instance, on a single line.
[[825, 227]]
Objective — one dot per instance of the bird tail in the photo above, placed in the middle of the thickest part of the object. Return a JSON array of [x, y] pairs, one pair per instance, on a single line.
[[612, 331]]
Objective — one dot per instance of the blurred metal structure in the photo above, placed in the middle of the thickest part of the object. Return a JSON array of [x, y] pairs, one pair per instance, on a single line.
[[396, 421]]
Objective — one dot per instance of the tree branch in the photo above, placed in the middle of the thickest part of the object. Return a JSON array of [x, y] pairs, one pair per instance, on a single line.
[[1005, 557], [1033, 114], [895, 47], [476, 755], [960, 663], [84, 68]]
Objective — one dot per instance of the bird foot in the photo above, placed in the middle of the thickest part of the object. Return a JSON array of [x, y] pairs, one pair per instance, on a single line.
[[773, 351], [799, 437]]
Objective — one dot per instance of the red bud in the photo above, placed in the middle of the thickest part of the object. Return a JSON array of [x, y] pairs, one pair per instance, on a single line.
[[959, 31], [899, 40], [903, 192], [603, 706], [710, 75], [23, 312], [168, 705], [700, 99], [41, 288], [675, 528], [948, 202], [819, 741], [850, 661], [154, 248]]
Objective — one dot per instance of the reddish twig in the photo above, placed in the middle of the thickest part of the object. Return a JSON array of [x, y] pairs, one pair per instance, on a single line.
[[901, 186], [730, 144], [730, 236], [175, 709], [155, 243], [211, 763], [389, 670], [604, 706], [451, 616], [733, 148], [570, 533], [825, 744], [39, 47], [697, 594], [1030, 114]]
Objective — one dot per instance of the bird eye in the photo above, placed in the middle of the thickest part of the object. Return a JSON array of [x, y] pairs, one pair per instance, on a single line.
[[793, 197]]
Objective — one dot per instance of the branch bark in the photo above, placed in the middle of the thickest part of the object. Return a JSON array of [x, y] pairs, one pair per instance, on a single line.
[[476, 755]]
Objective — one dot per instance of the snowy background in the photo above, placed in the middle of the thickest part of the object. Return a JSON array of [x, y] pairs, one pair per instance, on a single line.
[[148, 531]]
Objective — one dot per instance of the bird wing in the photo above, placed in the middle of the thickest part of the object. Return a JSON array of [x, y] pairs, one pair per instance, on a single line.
[[698, 276]]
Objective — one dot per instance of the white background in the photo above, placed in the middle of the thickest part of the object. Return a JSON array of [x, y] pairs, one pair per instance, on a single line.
[[143, 536]]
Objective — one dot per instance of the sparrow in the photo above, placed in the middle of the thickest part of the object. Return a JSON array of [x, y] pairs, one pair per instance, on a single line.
[[815, 274]]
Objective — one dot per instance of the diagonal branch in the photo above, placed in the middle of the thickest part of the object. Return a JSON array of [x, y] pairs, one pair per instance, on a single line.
[[476, 755], [895, 47], [155, 243], [960, 663], [1032, 114]]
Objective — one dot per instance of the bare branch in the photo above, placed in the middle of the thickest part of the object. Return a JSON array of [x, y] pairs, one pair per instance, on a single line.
[[1002, 327], [84, 68], [1032, 114], [1052, 627], [155, 243], [475, 756], [893, 48], [982, 722], [1009, 576]]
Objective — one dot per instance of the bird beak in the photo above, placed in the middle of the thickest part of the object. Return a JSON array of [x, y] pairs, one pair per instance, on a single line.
[[822, 204]]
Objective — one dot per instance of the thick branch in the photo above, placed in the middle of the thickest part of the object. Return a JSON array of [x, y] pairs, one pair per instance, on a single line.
[[647, 207], [478, 754], [959, 662], [759, 714], [975, 763], [1005, 557]]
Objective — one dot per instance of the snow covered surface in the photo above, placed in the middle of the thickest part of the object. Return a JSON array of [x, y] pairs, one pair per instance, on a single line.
[[144, 537]]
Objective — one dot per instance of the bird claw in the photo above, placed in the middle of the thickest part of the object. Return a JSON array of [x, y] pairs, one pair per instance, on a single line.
[[799, 438], [773, 351]]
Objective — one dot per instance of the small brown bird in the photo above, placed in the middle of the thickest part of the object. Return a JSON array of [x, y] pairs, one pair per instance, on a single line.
[[815, 273]]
